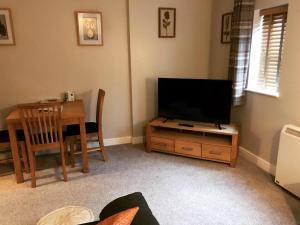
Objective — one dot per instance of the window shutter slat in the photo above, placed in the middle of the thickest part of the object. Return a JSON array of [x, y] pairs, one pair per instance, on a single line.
[[273, 30]]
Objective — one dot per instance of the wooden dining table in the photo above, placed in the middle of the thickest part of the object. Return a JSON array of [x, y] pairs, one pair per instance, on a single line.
[[72, 113]]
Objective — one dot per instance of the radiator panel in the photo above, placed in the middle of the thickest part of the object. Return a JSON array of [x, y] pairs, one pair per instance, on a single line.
[[288, 161]]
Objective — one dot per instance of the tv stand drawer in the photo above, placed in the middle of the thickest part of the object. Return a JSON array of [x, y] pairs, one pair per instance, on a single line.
[[188, 148], [163, 144], [203, 141], [216, 152]]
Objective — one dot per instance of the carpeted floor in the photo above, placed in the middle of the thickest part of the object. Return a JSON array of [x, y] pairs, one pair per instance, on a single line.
[[180, 191]]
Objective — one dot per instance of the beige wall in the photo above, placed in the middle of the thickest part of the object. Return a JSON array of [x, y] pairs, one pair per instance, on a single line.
[[185, 56], [47, 61], [219, 56], [261, 4], [262, 117]]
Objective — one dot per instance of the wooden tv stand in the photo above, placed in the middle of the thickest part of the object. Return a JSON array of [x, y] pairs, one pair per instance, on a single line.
[[196, 140]]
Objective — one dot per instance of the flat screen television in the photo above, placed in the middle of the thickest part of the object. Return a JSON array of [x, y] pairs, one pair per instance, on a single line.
[[195, 100]]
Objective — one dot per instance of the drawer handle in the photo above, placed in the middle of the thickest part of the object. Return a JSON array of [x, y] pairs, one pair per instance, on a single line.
[[215, 153], [187, 149]]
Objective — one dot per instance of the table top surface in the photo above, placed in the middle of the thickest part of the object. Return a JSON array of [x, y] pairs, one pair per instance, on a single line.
[[196, 126], [70, 110]]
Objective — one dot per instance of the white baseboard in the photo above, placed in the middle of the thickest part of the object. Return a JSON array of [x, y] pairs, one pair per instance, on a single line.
[[261, 163], [138, 140], [117, 141]]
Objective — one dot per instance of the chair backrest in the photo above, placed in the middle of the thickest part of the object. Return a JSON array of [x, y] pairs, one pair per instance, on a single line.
[[101, 95], [42, 124]]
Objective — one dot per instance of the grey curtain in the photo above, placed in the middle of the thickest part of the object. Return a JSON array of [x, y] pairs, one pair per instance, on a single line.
[[242, 23]]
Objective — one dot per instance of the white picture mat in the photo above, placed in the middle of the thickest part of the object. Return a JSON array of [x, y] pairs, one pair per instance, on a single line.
[[10, 40], [80, 17]]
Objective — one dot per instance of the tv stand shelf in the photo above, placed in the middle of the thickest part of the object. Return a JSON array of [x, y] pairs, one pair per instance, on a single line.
[[201, 140]]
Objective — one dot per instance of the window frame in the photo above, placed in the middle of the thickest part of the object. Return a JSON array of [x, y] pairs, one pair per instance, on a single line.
[[283, 9]]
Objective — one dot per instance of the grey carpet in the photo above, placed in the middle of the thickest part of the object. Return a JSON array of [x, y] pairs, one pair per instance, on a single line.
[[180, 191]]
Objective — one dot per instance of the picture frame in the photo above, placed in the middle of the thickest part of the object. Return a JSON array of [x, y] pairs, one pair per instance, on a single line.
[[226, 28], [7, 36], [89, 28], [166, 22]]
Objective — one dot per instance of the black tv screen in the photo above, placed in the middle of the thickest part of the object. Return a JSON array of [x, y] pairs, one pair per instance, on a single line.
[[195, 99]]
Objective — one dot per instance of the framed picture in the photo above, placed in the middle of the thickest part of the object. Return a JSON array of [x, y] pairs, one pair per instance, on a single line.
[[89, 28], [226, 28], [167, 22], [6, 28]]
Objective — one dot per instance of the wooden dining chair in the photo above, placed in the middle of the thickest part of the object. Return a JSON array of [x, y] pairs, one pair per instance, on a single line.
[[94, 133], [43, 131], [5, 148]]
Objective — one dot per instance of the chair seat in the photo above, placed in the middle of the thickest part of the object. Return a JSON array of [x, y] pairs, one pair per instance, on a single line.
[[74, 130], [4, 136]]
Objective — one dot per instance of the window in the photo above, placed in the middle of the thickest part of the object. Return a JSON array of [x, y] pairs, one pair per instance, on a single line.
[[269, 32]]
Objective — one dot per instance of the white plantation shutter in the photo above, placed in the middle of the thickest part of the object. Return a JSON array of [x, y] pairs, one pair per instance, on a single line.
[[273, 32]]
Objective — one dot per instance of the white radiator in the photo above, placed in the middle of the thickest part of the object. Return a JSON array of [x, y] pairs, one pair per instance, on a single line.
[[288, 162]]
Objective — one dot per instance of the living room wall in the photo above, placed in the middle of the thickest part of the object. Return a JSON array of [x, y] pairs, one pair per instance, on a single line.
[[47, 61], [262, 117], [187, 55], [219, 56]]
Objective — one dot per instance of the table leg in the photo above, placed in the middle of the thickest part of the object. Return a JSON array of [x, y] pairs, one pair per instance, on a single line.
[[85, 163], [15, 153]]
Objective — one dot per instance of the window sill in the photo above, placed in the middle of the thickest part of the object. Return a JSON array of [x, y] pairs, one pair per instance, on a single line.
[[266, 93]]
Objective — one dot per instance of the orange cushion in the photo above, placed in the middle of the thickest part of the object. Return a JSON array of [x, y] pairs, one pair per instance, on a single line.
[[122, 218]]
